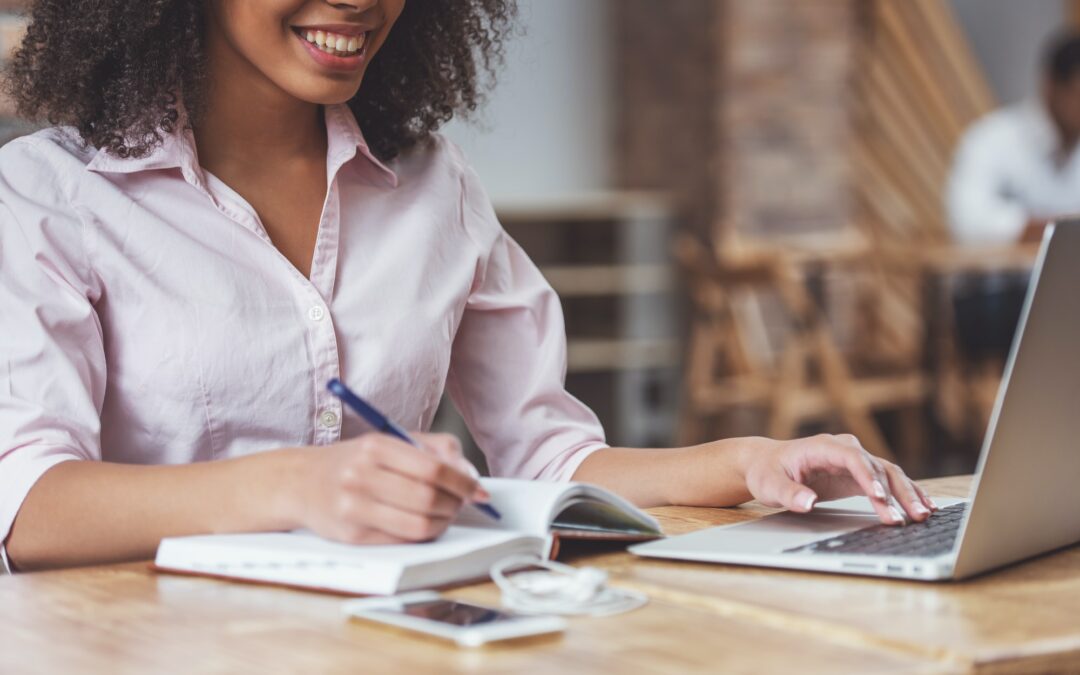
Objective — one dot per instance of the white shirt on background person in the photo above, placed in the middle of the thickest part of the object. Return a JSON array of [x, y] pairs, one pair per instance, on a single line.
[[1008, 169]]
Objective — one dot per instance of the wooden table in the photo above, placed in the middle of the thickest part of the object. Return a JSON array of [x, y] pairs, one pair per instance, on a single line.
[[701, 618]]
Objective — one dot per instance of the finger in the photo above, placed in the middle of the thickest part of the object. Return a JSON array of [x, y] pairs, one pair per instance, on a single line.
[[445, 446], [448, 448], [920, 493], [780, 490], [408, 494], [904, 490], [423, 466], [845, 452], [930, 503], [405, 524], [889, 509]]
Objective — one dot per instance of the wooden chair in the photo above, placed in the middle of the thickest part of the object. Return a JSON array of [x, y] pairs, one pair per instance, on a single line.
[[808, 381]]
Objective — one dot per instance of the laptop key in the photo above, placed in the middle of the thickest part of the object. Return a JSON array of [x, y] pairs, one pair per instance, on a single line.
[[929, 538]]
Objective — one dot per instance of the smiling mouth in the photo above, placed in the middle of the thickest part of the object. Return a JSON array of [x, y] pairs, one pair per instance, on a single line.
[[334, 44]]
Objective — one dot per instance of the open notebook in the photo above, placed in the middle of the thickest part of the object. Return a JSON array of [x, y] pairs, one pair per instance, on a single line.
[[534, 515]]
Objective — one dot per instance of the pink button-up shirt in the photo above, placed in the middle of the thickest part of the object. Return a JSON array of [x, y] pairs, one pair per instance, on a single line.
[[146, 317]]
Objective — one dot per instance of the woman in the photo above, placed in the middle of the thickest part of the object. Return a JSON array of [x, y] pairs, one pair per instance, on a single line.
[[206, 238]]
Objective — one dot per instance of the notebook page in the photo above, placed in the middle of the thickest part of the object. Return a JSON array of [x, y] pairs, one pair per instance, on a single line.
[[588, 508], [526, 506]]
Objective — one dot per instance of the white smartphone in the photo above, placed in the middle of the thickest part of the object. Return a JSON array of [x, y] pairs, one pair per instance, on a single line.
[[466, 624]]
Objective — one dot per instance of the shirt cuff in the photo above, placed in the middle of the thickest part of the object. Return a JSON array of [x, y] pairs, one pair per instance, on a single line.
[[564, 470]]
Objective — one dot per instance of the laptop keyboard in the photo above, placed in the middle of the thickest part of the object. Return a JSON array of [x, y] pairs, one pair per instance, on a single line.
[[923, 540]]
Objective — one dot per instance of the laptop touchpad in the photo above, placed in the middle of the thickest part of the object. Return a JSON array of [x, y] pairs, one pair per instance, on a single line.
[[780, 531]]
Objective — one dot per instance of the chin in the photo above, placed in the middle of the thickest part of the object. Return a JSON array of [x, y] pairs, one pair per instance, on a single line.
[[326, 95]]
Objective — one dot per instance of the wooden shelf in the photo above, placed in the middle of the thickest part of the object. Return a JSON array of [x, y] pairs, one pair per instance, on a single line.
[[608, 256], [615, 207], [607, 355], [592, 280]]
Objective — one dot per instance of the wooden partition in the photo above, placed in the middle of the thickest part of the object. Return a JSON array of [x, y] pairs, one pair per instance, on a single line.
[[917, 88]]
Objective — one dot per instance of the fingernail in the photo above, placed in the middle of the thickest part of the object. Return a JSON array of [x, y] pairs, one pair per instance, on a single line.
[[808, 500], [933, 504], [920, 509], [481, 494], [895, 514], [879, 490]]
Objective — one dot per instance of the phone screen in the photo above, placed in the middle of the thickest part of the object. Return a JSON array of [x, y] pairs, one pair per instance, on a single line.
[[452, 612]]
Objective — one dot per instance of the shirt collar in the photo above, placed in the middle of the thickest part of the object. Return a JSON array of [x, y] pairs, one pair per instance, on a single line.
[[345, 141], [177, 151]]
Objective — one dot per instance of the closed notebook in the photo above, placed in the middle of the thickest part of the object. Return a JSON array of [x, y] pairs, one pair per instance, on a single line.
[[534, 515]]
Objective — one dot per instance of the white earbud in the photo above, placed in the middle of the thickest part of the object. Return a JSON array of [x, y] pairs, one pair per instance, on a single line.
[[560, 589]]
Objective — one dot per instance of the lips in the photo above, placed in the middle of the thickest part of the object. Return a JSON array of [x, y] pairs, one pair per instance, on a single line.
[[343, 48]]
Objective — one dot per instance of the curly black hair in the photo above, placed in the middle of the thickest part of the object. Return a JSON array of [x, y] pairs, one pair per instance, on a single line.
[[111, 69]]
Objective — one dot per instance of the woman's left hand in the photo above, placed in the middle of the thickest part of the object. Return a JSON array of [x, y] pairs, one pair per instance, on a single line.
[[797, 474]]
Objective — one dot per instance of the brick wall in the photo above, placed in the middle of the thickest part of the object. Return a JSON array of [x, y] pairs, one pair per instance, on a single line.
[[786, 88], [742, 107], [666, 65]]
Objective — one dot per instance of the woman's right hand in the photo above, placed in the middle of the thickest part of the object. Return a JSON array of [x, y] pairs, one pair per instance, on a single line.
[[376, 489]]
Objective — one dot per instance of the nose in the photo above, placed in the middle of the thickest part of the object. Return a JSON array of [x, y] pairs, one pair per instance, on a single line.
[[353, 5]]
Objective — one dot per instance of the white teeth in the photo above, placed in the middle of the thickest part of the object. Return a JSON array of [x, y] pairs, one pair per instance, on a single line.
[[332, 42]]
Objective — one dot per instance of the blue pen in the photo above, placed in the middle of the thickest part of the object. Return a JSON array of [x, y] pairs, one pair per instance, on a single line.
[[381, 423]]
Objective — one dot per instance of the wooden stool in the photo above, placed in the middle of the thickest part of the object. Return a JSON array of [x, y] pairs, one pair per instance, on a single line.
[[808, 381]]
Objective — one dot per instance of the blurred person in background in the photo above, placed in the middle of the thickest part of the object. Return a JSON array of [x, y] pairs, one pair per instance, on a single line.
[[1018, 167], [1015, 170]]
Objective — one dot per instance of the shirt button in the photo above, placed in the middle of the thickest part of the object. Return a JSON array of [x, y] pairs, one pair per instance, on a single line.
[[316, 313], [329, 419]]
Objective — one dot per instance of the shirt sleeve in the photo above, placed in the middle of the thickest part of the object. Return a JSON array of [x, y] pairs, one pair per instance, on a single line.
[[52, 363], [979, 208], [508, 366]]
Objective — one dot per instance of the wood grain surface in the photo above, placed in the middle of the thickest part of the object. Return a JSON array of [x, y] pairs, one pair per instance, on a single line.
[[701, 618]]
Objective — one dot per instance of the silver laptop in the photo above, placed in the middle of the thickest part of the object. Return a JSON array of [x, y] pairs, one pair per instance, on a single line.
[[1025, 499]]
